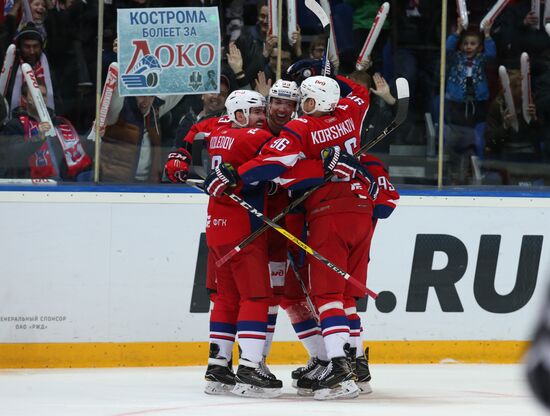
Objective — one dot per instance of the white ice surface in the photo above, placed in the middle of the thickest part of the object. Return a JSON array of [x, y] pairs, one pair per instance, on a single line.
[[399, 390]]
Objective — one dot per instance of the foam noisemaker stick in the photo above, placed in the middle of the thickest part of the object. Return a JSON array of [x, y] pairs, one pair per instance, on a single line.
[[332, 48], [462, 12], [291, 16], [373, 35], [39, 103], [272, 20], [526, 97], [7, 67], [535, 8], [493, 13], [106, 95], [508, 99]]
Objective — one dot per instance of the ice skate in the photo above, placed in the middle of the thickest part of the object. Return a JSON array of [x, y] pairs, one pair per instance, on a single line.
[[220, 378], [301, 371], [304, 384], [336, 382], [252, 381], [361, 370]]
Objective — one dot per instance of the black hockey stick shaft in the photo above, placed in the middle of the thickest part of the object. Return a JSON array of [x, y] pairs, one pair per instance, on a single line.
[[401, 114]]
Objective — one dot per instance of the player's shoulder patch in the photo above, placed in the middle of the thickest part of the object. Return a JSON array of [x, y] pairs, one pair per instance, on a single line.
[[224, 119], [301, 120]]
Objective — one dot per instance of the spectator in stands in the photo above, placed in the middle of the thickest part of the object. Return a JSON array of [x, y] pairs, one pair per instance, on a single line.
[[131, 148], [29, 43], [256, 45], [17, 17], [467, 91], [270, 70], [317, 47], [467, 95], [33, 155], [39, 11], [502, 140]]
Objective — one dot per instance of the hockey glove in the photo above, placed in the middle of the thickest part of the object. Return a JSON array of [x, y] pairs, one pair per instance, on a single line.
[[305, 68], [220, 179], [370, 183], [177, 165], [339, 163], [344, 165]]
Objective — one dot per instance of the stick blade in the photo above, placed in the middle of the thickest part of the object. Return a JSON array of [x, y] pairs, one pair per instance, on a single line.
[[402, 86]]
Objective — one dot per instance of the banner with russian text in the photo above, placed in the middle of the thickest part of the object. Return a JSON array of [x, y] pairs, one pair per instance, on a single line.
[[168, 51]]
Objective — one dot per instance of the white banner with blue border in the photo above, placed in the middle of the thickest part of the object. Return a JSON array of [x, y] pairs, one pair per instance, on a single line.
[[168, 51]]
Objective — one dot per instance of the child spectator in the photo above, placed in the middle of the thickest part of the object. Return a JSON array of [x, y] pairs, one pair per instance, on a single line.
[[467, 87]]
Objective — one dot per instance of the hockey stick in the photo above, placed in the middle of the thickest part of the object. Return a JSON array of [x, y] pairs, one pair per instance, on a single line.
[[318, 11], [303, 286], [400, 115]]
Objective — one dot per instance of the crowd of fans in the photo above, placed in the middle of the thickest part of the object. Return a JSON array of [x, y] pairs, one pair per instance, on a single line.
[[59, 40]]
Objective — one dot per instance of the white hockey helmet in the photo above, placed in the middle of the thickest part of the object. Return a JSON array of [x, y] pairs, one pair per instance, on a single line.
[[287, 90], [243, 100], [324, 90]]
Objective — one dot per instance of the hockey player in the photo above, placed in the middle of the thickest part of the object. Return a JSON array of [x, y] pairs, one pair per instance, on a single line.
[[329, 130], [282, 106], [243, 286], [283, 101]]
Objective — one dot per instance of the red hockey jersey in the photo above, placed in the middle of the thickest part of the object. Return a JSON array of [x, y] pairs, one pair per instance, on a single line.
[[228, 222]]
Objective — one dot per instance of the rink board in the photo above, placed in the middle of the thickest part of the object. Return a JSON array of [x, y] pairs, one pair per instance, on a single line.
[[114, 278]]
